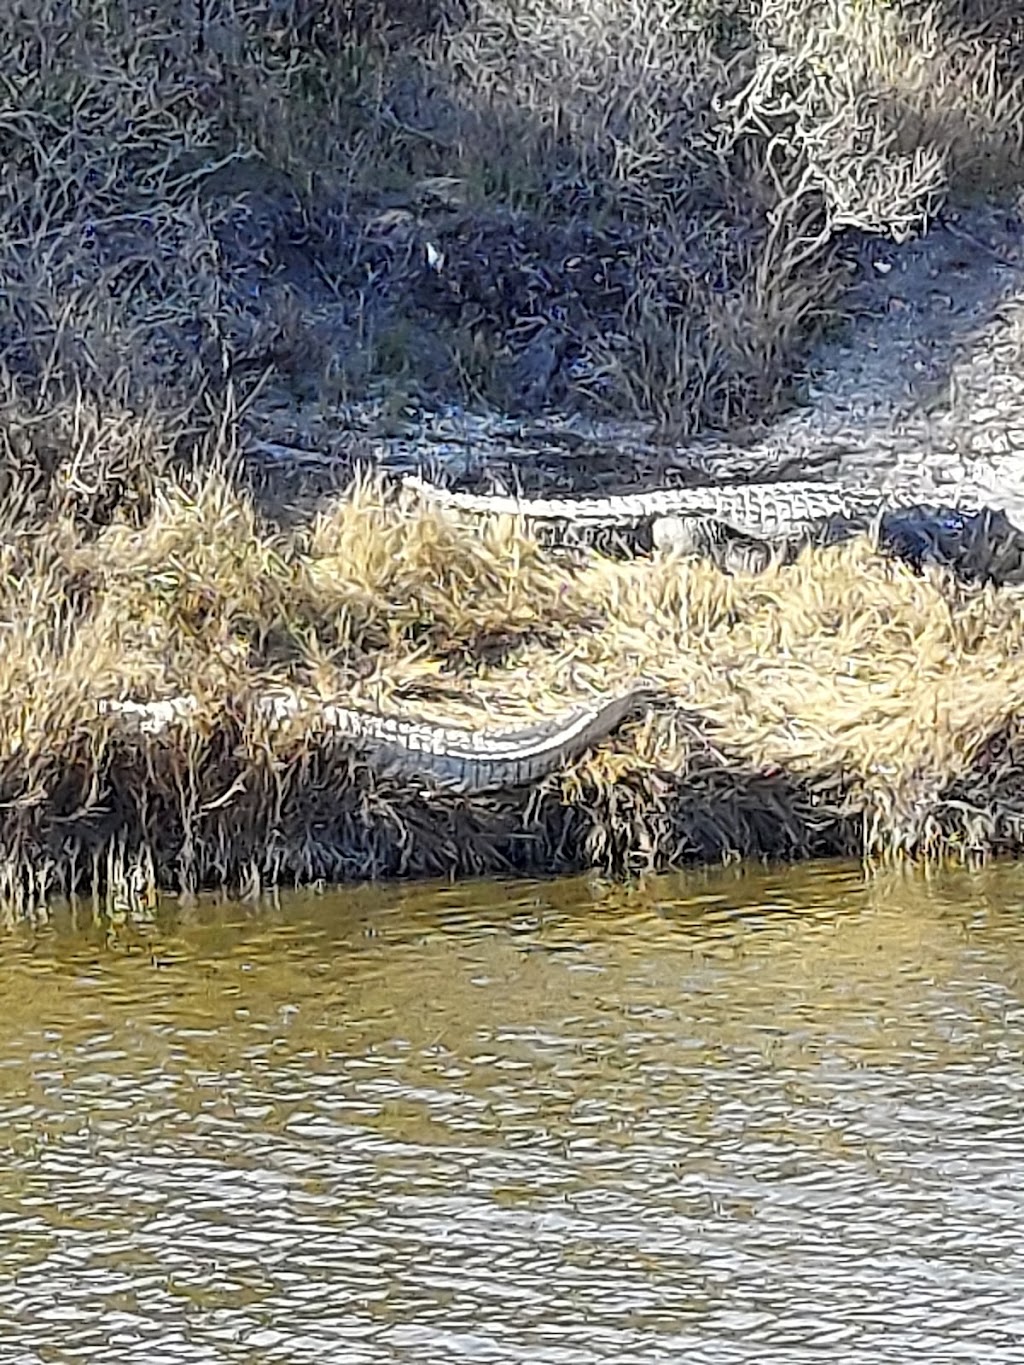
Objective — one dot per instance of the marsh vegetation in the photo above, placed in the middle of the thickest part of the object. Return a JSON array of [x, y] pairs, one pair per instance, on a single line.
[[229, 221]]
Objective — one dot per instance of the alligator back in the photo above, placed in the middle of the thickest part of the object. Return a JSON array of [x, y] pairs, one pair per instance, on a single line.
[[765, 509], [448, 756]]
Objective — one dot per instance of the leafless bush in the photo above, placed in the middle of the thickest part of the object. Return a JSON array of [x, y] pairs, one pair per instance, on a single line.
[[198, 194]]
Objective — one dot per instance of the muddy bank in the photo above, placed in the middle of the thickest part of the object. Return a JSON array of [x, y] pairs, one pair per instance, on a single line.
[[921, 388], [842, 704]]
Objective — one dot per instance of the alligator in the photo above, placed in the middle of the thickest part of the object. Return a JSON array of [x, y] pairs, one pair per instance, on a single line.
[[768, 512], [446, 756], [750, 526]]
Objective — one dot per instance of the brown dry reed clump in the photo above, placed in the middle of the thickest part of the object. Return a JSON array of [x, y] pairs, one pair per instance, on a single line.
[[844, 704]]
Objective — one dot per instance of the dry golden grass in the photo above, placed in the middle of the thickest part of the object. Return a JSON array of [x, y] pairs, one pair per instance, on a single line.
[[842, 704]]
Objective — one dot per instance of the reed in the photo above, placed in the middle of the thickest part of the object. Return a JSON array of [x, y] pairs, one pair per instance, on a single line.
[[843, 704]]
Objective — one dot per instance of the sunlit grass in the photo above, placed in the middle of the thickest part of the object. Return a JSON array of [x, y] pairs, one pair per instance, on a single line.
[[842, 702]]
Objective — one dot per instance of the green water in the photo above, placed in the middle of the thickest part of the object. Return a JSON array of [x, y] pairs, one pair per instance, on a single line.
[[733, 1119]]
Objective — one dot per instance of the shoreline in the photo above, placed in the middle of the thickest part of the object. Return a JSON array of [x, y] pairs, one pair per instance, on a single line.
[[842, 705]]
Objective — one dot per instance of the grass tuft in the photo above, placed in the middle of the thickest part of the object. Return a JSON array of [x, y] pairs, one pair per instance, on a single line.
[[842, 704]]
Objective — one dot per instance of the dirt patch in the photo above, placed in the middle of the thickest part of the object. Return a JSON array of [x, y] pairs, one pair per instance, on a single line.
[[922, 387]]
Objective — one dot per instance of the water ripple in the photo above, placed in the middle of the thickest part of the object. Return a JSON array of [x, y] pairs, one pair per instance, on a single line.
[[731, 1118]]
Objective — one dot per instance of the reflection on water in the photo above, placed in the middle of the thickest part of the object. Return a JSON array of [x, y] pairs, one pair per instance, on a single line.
[[734, 1118]]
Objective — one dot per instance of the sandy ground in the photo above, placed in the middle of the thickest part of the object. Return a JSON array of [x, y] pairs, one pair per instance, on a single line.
[[923, 389], [926, 389]]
